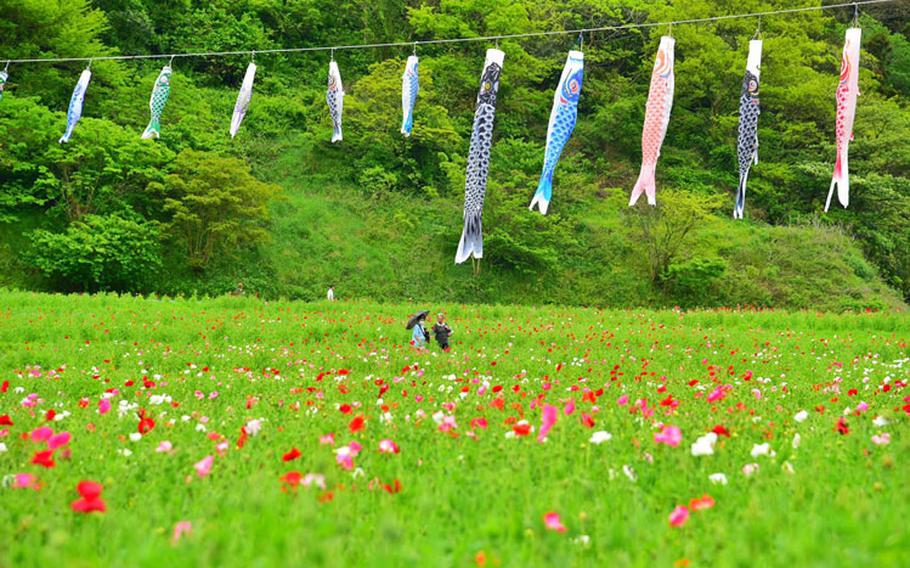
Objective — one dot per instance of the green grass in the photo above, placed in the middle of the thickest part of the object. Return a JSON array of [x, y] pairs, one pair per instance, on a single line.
[[844, 504]]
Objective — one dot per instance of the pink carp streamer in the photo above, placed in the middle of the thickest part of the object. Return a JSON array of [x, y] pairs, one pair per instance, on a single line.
[[847, 91], [657, 116]]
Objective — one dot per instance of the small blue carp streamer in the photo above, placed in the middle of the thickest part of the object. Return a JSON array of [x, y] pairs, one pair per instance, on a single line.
[[471, 244], [562, 123], [74, 113], [243, 98], [410, 86]]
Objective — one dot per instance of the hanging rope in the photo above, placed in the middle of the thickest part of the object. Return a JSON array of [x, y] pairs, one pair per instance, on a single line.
[[494, 38]]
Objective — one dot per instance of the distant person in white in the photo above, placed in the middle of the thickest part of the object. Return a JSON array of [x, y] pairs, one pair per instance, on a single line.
[[330, 295]]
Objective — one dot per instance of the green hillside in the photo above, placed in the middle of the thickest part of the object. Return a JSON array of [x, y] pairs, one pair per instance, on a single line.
[[287, 213]]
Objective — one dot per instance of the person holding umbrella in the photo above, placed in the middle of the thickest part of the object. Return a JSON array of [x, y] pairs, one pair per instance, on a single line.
[[420, 335]]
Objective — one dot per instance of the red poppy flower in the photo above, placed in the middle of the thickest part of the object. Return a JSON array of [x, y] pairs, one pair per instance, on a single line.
[[44, 458], [90, 500], [291, 455], [345, 408], [394, 488], [49, 415], [587, 420], [5, 386], [241, 441], [522, 428], [5, 420], [842, 427], [145, 423], [702, 503], [720, 430], [356, 425], [290, 480]]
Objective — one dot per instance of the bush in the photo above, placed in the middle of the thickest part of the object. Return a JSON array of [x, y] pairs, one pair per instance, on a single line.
[[217, 206], [98, 253]]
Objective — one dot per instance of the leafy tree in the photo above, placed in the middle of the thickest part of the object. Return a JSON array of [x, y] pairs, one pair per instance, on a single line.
[[667, 230], [216, 206], [103, 169], [99, 253]]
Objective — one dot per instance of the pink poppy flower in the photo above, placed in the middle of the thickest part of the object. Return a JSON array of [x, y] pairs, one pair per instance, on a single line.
[[569, 408], [42, 433], [479, 423], [447, 424], [388, 447], [25, 481], [327, 439], [104, 405], [181, 529], [204, 466], [679, 516], [552, 522], [58, 440], [345, 455], [316, 479], [547, 420], [623, 400], [164, 447], [669, 435], [717, 394], [882, 439]]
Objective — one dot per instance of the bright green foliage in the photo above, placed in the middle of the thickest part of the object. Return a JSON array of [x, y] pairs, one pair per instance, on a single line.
[[667, 231], [380, 213], [215, 206], [98, 253]]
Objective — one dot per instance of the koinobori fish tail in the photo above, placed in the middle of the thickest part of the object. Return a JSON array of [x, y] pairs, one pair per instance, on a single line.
[[334, 96], [410, 86], [74, 113], [3, 77], [657, 116], [243, 98], [471, 244], [749, 109], [160, 92], [847, 91], [562, 123]]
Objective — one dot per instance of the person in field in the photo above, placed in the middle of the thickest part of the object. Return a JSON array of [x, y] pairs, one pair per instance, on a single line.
[[330, 295], [420, 335], [442, 331]]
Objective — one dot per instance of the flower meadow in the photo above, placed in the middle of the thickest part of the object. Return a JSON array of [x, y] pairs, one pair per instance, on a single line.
[[234, 432]]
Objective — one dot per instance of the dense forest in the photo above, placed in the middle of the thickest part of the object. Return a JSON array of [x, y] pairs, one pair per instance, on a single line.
[[287, 213]]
